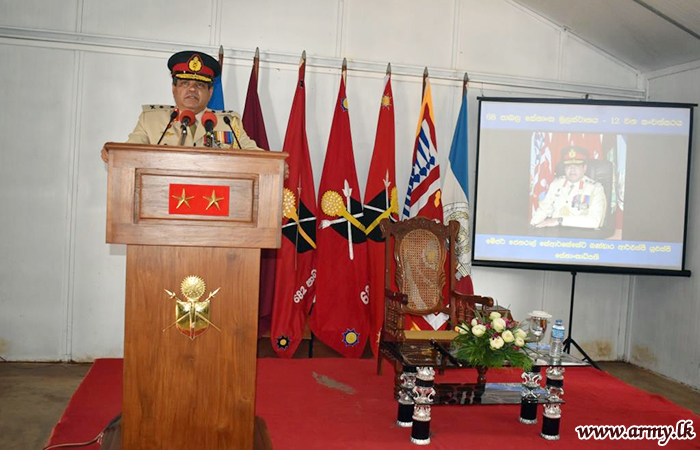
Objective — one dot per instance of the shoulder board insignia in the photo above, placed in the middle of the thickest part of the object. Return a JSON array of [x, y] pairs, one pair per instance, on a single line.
[[224, 111], [157, 107]]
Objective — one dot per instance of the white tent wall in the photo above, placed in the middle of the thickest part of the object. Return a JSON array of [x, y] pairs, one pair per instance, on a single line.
[[78, 72], [665, 311]]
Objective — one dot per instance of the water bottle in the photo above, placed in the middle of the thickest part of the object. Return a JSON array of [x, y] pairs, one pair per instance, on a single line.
[[556, 345]]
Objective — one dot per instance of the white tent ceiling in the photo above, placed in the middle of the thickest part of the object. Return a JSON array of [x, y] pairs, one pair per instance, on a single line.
[[646, 34]]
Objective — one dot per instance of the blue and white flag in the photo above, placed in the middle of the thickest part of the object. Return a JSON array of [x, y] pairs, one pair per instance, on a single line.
[[455, 198]]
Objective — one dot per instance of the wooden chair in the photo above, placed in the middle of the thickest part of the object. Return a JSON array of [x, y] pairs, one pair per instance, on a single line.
[[416, 250]]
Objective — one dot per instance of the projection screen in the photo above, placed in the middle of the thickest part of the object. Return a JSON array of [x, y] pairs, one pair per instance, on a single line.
[[580, 185]]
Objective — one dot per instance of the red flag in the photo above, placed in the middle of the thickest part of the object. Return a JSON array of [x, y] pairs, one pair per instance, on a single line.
[[254, 126], [424, 195], [296, 258], [340, 317], [380, 202]]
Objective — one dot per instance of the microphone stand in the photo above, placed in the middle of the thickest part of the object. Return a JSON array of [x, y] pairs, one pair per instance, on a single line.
[[209, 127], [185, 124], [173, 115], [228, 122]]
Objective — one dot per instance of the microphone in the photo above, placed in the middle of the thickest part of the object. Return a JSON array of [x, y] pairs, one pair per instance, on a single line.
[[173, 116], [186, 118], [209, 120], [227, 120]]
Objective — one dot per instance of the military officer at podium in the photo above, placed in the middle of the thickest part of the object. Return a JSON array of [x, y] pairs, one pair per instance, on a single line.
[[193, 74], [573, 200]]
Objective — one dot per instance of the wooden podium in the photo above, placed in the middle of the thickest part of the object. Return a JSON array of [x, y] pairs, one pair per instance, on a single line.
[[188, 386]]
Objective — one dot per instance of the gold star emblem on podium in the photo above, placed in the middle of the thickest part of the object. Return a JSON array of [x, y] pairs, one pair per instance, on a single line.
[[183, 199], [213, 200]]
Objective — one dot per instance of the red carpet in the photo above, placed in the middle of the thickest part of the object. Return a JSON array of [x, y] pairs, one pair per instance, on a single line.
[[341, 404]]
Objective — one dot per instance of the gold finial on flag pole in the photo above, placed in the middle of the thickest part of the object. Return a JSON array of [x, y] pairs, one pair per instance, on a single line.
[[425, 81], [388, 69], [465, 83]]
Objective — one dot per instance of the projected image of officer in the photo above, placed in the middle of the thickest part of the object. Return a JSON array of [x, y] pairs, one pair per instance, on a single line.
[[573, 200]]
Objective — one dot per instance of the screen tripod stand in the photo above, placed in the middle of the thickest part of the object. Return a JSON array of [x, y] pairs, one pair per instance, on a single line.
[[569, 341]]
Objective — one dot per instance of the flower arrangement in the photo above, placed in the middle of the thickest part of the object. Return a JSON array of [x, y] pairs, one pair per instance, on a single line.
[[491, 342]]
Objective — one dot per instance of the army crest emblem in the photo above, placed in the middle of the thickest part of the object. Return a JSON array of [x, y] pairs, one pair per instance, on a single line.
[[192, 317], [195, 63]]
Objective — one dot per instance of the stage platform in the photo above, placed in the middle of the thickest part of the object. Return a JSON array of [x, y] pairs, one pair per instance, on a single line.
[[334, 403]]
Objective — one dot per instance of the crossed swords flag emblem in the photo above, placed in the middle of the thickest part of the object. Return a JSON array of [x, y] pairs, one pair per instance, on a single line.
[[364, 223], [300, 228], [384, 205]]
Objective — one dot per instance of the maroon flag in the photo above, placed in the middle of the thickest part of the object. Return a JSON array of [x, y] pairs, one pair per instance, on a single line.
[[253, 122], [340, 317], [254, 126], [381, 201], [296, 258]]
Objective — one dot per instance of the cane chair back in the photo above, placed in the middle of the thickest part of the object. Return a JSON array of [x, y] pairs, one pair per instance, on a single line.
[[421, 270]]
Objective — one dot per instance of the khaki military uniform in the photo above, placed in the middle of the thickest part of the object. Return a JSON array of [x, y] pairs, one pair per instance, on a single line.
[[581, 204], [155, 118]]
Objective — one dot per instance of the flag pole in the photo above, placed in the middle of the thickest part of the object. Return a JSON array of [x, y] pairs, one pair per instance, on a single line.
[[216, 101], [256, 64], [465, 83], [302, 75], [388, 69], [344, 70], [425, 81]]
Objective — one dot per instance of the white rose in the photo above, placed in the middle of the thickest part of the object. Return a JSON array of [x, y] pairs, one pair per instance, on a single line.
[[478, 330], [475, 322], [498, 324], [520, 333], [519, 342], [508, 336], [494, 315], [496, 342], [462, 329]]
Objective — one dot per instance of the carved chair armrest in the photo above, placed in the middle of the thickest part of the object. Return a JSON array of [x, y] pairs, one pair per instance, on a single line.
[[466, 304], [394, 312]]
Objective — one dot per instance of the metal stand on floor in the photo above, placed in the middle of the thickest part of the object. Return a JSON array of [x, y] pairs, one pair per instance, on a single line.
[[570, 340]]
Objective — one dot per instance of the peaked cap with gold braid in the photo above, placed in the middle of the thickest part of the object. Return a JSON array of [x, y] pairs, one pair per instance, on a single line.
[[191, 65]]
